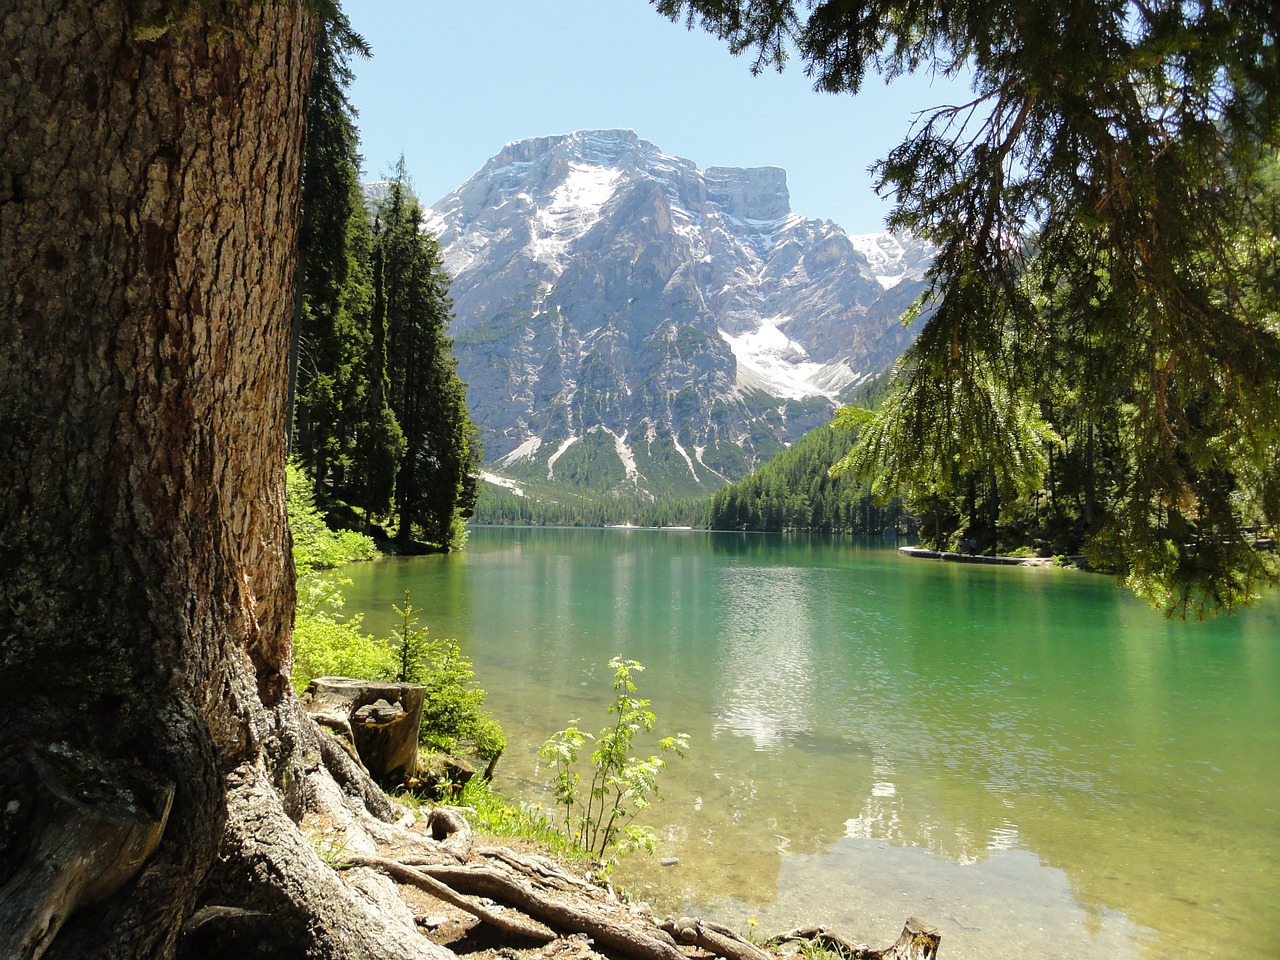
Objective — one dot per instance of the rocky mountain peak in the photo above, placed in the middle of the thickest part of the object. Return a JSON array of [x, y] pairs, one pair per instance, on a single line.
[[755, 193], [627, 319]]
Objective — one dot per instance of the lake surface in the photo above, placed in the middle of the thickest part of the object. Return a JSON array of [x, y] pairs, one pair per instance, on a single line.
[[1030, 759]]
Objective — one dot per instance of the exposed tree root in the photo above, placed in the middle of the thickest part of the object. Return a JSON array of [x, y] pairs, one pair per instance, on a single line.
[[918, 941], [498, 919], [89, 829], [530, 897], [714, 938]]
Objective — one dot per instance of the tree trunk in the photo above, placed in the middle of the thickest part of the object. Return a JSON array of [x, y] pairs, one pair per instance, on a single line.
[[148, 219]]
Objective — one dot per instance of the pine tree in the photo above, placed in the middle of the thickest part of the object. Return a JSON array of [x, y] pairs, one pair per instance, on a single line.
[[1107, 185], [434, 485], [380, 443], [333, 336]]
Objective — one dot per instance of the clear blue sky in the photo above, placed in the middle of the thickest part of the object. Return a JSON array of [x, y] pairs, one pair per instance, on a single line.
[[451, 82]]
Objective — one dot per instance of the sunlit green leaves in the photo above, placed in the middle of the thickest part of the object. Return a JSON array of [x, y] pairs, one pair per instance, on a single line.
[[1105, 212], [623, 782]]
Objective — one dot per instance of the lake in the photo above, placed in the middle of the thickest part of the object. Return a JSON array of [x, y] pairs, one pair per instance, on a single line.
[[1030, 759]]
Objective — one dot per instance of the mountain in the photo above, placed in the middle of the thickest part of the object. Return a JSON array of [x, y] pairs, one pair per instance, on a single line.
[[630, 323]]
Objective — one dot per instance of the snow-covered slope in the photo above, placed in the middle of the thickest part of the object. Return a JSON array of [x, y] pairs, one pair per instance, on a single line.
[[621, 310]]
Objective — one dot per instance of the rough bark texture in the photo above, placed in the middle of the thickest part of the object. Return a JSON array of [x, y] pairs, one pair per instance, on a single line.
[[148, 216]]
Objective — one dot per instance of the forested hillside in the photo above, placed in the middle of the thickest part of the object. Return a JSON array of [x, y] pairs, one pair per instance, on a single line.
[[795, 491], [380, 413]]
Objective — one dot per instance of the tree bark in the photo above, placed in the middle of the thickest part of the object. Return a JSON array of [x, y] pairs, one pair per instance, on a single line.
[[148, 215]]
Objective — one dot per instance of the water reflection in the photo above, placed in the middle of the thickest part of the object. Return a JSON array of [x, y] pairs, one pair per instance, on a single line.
[[1021, 755], [766, 661]]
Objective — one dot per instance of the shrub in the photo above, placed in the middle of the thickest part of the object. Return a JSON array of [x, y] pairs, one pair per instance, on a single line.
[[622, 784], [325, 644], [453, 714], [315, 546]]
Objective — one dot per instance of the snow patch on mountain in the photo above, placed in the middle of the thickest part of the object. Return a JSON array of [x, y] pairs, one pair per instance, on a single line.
[[551, 463], [525, 451], [625, 454], [770, 361], [505, 482], [892, 258], [574, 208]]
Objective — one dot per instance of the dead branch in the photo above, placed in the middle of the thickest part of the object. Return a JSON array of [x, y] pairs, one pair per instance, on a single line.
[[918, 941]]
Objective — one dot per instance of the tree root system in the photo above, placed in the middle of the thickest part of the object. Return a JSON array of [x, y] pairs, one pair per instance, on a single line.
[[513, 905]]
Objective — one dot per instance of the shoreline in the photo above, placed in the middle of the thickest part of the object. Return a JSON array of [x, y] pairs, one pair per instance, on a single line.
[[952, 556]]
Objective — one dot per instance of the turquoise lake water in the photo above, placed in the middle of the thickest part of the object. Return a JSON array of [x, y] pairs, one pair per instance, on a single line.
[[1030, 759]]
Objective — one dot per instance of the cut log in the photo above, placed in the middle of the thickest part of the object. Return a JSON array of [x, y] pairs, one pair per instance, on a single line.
[[380, 719]]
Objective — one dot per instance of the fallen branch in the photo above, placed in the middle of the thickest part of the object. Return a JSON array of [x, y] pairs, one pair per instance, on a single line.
[[918, 941], [714, 938]]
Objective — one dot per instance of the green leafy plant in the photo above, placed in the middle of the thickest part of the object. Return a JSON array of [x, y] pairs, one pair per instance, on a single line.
[[315, 545], [410, 644], [330, 847], [622, 783], [324, 642], [453, 714]]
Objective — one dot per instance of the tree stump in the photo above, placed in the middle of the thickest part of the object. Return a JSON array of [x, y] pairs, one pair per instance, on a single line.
[[381, 721]]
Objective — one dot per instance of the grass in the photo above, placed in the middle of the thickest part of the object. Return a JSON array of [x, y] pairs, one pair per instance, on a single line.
[[495, 815]]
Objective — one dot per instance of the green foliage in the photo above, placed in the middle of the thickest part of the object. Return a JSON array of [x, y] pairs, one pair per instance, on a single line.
[[1105, 289], [797, 490], [489, 813], [622, 783], [333, 336], [315, 545], [410, 644], [543, 507], [380, 416], [453, 714], [435, 485], [324, 643]]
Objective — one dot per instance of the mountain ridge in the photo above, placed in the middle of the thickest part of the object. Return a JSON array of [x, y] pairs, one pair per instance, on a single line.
[[629, 322]]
